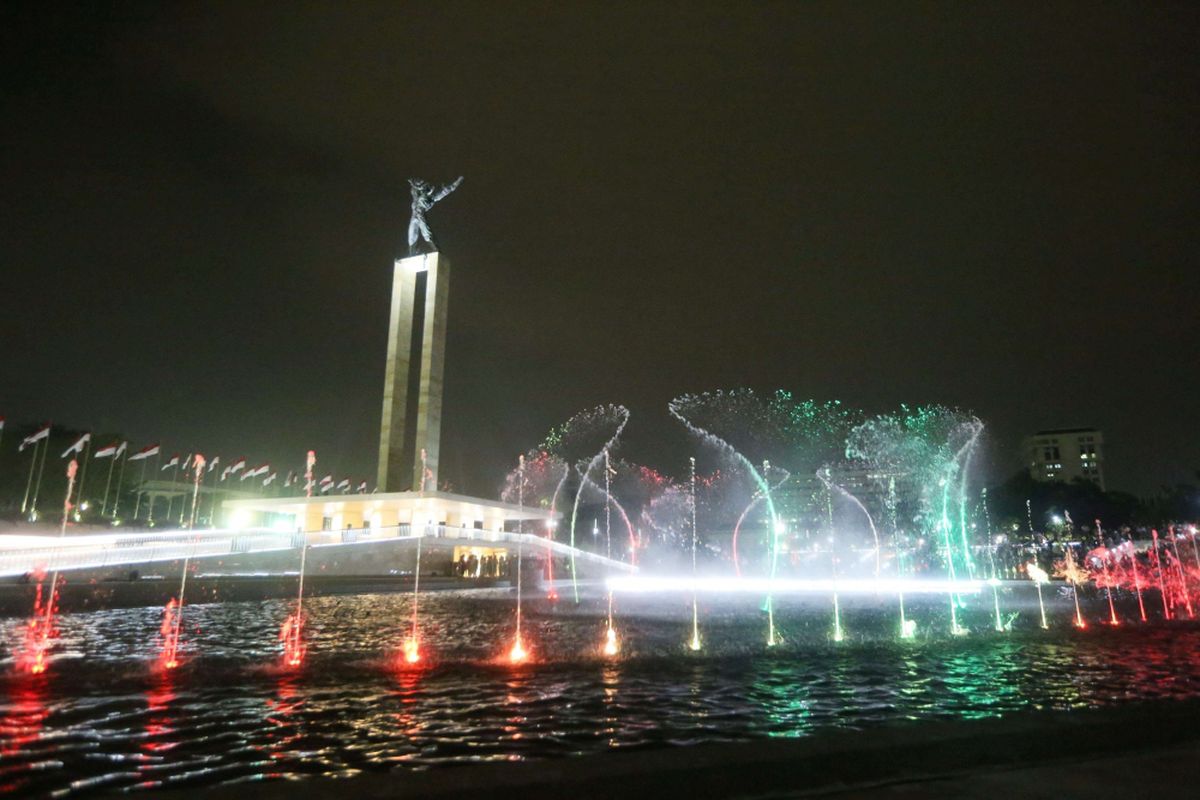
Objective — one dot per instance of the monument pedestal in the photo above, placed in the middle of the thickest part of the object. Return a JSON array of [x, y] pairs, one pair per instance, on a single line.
[[412, 389]]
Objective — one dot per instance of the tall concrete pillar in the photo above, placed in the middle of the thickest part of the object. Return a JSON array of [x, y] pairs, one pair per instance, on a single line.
[[412, 388]]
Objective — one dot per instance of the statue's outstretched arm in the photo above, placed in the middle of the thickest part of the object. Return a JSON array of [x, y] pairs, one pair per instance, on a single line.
[[447, 189]]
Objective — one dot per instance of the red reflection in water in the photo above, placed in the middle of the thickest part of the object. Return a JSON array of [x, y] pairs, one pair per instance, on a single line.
[[282, 716], [21, 725], [408, 690], [158, 730]]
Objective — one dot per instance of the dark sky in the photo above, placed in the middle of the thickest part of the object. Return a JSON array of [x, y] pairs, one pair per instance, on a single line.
[[985, 205]]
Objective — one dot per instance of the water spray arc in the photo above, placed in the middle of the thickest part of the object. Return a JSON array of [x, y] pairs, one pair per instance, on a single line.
[[674, 407], [622, 414]]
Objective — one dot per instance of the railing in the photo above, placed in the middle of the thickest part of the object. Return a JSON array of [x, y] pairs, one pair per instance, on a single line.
[[20, 555]]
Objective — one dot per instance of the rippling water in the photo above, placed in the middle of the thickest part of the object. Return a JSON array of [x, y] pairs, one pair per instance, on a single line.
[[103, 719]]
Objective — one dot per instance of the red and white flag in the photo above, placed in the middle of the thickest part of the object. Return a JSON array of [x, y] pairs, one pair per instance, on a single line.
[[186, 462], [213, 464], [237, 466], [326, 483], [144, 453], [34, 438], [261, 469], [1, 423], [344, 483], [78, 446], [267, 480], [107, 451], [174, 462], [225, 473], [121, 450], [362, 488], [291, 478]]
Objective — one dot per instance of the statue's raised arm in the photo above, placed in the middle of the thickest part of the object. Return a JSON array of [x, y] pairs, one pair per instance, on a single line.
[[423, 198], [447, 189]]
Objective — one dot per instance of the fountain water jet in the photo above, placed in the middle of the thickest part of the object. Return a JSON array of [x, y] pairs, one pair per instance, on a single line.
[[41, 628], [1162, 586], [1038, 576], [518, 654], [1108, 581], [694, 644], [1187, 596], [993, 581], [412, 645]]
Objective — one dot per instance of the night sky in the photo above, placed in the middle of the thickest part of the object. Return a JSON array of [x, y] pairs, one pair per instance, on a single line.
[[986, 205]]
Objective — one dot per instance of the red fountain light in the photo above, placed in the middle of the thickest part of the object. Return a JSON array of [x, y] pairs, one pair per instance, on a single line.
[[518, 654], [412, 650], [169, 657], [291, 633], [612, 645], [39, 631]]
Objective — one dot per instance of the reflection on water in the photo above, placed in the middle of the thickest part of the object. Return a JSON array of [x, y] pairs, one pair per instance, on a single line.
[[102, 719]]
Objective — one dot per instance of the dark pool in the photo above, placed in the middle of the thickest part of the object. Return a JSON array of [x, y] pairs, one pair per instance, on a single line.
[[101, 719]]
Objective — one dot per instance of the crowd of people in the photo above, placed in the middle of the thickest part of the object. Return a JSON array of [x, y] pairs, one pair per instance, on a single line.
[[488, 566]]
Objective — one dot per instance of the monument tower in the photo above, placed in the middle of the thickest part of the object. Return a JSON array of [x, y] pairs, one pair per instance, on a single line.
[[410, 430]]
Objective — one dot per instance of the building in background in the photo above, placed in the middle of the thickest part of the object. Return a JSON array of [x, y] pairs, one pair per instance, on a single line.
[[1066, 454]]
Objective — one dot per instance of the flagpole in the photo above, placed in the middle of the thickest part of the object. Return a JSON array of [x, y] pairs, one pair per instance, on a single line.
[[107, 486], [182, 500], [137, 505], [87, 449], [199, 462], [29, 483], [174, 484], [37, 487], [212, 506], [157, 458], [120, 483]]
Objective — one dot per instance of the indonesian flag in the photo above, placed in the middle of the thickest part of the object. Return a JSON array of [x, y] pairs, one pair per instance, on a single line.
[[78, 446], [326, 483], [344, 483], [34, 438], [225, 473], [213, 464], [187, 462], [108, 451], [237, 466], [261, 469], [1, 423], [174, 462], [362, 488], [268, 480], [121, 450], [291, 478], [144, 453]]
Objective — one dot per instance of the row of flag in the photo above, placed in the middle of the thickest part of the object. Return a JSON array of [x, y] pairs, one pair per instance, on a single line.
[[264, 471]]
